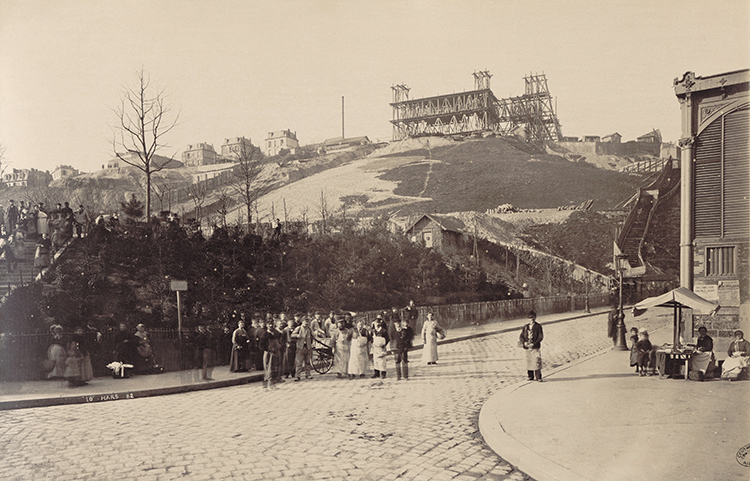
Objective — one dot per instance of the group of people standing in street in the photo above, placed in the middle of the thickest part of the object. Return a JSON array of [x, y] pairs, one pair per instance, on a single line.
[[282, 347]]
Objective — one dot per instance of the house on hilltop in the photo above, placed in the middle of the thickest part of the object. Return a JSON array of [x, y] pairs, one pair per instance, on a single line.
[[26, 178], [615, 138], [282, 139], [199, 154], [62, 171], [236, 146]]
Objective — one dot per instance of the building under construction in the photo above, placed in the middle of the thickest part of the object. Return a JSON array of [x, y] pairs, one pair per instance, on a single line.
[[478, 110]]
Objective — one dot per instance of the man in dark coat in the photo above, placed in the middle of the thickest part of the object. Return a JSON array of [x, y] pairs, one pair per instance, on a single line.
[[12, 216], [531, 340], [392, 322], [412, 313], [269, 342], [404, 339], [203, 341]]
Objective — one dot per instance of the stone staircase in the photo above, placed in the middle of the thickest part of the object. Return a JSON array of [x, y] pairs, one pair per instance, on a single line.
[[636, 225]]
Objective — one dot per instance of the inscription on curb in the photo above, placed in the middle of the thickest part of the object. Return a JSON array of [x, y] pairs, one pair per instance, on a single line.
[[108, 397]]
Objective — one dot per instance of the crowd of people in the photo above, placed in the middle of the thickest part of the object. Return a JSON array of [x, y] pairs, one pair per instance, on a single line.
[[282, 347], [50, 228]]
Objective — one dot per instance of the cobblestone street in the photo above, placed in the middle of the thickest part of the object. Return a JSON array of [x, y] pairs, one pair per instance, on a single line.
[[325, 428]]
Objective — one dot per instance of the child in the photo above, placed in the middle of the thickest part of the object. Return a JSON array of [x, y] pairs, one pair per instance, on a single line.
[[643, 346], [633, 350]]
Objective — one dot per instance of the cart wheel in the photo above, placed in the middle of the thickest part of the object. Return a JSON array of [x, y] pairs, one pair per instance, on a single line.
[[322, 361]]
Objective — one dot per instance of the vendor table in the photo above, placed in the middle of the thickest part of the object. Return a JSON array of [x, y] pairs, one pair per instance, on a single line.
[[669, 362]]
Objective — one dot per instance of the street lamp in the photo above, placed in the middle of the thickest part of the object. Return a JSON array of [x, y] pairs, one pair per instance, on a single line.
[[586, 307], [620, 344]]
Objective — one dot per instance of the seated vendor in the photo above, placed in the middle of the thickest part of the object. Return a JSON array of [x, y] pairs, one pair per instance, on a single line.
[[735, 366], [703, 357]]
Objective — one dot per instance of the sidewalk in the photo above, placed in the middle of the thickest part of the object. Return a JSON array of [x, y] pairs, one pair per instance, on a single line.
[[18, 395], [598, 420]]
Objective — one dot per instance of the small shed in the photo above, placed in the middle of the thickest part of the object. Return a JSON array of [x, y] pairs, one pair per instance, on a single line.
[[615, 138], [442, 232]]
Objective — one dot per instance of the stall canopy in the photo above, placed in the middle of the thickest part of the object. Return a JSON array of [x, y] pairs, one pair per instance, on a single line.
[[678, 299]]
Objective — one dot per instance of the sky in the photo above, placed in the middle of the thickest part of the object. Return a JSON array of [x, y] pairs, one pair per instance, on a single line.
[[245, 68]]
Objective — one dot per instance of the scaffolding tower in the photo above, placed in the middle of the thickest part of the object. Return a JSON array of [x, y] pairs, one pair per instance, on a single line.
[[477, 110], [533, 111]]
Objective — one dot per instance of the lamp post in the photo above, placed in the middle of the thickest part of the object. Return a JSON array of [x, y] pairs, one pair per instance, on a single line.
[[586, 307], [620, 328]]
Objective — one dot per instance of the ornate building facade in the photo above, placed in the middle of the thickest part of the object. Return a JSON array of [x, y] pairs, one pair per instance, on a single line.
[[715, 195]]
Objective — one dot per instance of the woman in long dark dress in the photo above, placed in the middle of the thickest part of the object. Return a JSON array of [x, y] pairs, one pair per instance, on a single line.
[[126, 345], [238, 361]]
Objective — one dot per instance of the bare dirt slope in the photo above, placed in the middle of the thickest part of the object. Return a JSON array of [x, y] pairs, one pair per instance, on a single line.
[[437, 175]]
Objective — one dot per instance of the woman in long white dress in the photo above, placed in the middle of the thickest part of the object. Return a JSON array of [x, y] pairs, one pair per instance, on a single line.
[[56, 354], [379, 351], [430, 332], [340, 341], [359, 357]]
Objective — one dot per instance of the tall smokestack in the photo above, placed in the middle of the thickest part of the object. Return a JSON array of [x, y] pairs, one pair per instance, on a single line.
[[342, 118]]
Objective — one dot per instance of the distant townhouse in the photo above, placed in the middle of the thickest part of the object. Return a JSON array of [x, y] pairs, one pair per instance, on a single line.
[[235, 146], [199, 154], [62, 171], [26, 178], [282, 139]]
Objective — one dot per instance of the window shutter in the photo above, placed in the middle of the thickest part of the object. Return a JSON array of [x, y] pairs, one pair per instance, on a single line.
[[708, 181], [737, 173]]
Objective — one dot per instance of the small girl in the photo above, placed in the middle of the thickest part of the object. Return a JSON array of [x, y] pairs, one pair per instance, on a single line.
[[633, 350], [643, 346]]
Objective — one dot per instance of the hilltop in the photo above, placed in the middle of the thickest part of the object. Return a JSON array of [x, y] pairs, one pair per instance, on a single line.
[[438, 175]]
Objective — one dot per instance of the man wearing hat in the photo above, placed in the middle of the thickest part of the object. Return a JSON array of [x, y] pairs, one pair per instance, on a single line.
[[12, 216], [531, 340]]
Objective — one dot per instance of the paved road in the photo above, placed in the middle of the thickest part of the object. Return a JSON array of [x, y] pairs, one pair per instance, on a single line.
[[325, 428]]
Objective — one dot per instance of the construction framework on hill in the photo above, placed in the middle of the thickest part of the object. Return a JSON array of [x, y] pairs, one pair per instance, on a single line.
[[531, 114]]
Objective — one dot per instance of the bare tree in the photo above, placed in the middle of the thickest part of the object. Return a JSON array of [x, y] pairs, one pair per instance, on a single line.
[[305, 209], [197, 192], [324, 211], [224, 200], [246, 180], [143, 119]]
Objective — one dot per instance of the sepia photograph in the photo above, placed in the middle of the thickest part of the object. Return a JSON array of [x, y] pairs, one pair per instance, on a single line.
[[375, 240]]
